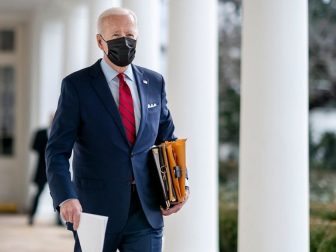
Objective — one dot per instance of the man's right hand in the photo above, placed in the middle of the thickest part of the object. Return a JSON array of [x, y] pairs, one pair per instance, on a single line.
[[70, 212]]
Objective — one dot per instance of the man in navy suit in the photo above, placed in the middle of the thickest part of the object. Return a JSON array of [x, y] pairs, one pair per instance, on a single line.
[[110, 114], [39, 144]]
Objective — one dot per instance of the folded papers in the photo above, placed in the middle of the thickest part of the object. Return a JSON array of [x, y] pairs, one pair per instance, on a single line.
[[91, 232], [171, 170]]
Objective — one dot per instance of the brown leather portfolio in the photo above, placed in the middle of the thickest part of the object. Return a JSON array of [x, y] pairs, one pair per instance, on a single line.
[[171, 171]]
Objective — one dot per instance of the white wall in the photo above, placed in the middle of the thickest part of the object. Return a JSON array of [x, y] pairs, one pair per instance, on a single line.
[[13, 169]]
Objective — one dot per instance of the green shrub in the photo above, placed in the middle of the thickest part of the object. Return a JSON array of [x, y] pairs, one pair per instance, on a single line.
[[322, 229], [228, 230], [323, 212], [328, 215], [317, 235], [328, 244]]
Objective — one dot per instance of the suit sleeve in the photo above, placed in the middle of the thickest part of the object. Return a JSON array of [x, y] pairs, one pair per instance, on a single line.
[[61, 140], [166, 126]]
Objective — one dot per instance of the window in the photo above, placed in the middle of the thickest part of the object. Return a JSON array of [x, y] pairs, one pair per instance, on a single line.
[[7, 110], [7, 40]]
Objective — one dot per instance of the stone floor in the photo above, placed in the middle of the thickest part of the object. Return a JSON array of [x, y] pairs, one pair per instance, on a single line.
[[17, 236]]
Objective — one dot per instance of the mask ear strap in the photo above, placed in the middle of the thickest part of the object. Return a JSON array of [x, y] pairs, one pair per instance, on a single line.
[[104, 41], [101, 37]]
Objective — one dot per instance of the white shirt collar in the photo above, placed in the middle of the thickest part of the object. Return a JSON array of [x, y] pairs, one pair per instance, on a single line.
[[110, 73]]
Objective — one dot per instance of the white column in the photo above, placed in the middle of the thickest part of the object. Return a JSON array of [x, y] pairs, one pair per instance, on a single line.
[[148, 44], [47, 58], [51, 67], [75, 18], [273, 193], [35, 30], [192, 93], [96, 7]]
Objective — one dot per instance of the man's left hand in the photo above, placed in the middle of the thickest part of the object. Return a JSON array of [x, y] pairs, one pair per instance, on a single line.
[[176, 207]]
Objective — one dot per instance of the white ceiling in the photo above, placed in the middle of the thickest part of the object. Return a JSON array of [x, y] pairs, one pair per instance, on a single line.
[[20, 5]]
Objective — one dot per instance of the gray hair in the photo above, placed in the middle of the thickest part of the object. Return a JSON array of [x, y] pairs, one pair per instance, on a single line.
[[116, 11]]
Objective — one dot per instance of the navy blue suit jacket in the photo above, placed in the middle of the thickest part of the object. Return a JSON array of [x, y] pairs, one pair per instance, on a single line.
[[87, 121], [39, 145]]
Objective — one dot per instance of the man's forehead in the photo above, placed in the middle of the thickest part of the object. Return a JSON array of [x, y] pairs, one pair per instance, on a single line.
[[119, 20], [108, 28]]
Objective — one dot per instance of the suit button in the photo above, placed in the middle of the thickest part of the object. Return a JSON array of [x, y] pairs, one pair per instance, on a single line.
[[132, 154]]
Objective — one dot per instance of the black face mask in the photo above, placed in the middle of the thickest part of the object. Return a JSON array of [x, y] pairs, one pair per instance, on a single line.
[[121, 51]]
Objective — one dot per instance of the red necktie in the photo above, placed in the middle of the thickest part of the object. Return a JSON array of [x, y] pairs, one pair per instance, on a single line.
[[126, 108]]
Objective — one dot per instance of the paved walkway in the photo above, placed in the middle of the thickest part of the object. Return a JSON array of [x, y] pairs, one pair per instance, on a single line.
[[17, 236]]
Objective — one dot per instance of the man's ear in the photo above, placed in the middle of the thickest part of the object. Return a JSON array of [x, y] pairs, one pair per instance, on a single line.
[[99, 41]]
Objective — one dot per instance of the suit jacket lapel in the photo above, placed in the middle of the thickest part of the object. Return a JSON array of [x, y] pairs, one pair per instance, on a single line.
[[142, 85], [101, 87]]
